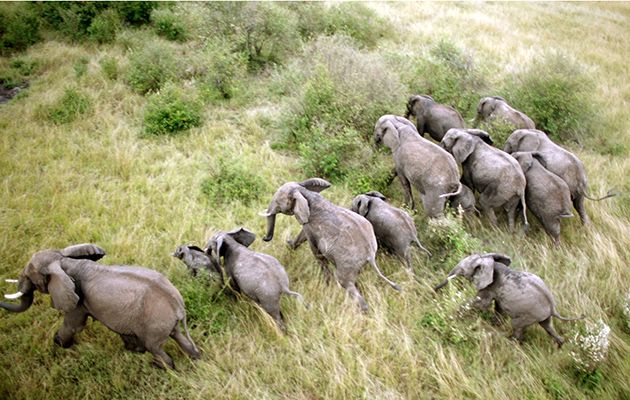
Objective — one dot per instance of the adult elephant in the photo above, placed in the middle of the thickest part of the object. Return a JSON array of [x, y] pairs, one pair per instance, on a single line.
[[431, 117], [493, 173], [495, 108], [420, 163], [139, 304], [557, 160]]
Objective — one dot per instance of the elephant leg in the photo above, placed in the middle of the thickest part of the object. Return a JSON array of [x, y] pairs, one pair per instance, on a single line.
[[273, 308], [73, 322], [160, 358], [510, 209], [552, 227], [497, 318], [299, 239], [352, 290], [185, 344], [487, 209], [578, 203], [407, 189], [133, 343], [322, 261], [433, 205], [518, 326], [552, 332], [407, 257]]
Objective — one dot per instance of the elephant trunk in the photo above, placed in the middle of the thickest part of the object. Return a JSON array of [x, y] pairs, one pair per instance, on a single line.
[[271, 225], [444, 283], [25, 303]]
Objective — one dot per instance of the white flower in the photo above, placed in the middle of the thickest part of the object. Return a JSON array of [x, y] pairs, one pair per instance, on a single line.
[[591, 347], [626, 308]]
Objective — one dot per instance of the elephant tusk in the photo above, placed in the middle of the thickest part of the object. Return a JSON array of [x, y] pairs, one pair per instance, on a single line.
[[11, 280], [264, 213], [14, 295]]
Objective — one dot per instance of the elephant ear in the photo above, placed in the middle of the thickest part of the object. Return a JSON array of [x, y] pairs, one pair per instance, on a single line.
[[528, 142], [376, 194], [300, 207], [540, 157], [361, 205], [500, 258], [524, 160], [463, 147], [243, 236], [61, 287], [315, 184], [193, 247], [86, 250], [484, 272], [483, 135]]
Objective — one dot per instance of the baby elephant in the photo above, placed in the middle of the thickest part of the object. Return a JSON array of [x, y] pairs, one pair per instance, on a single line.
[[521, 295], [195, 259], [546, 194], [259, 276], [465, 200], [394, 228]]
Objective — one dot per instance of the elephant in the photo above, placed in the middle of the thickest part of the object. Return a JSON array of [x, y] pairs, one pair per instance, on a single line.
[[259, 276], [465, 200], [521, 295], [139, 304], [393, 227], [195, 259], [335, 234], [420, 163], [432, 117], [557, 160], [546, 194], [496, 108], [496, 175]]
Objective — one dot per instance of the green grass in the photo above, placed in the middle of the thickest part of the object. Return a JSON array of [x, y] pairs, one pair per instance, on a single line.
[[98, 178]]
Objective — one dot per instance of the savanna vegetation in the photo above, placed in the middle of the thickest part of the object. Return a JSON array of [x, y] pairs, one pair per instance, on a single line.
[[143, 126]]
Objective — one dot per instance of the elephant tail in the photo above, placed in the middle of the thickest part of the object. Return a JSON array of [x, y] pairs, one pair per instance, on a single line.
[[611, 193], [379, 273], [298, 296], [526, 224], [458, 191], [555, 314], [421, 247], [566, 215], [188, 334]]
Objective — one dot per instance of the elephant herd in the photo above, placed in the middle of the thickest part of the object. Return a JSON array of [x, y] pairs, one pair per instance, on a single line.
[[145, 309]]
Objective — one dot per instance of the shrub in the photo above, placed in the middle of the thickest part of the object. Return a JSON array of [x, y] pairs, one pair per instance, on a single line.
[[69, 107], [136, 12], [19, 28], [170, 111], [109, 66], [18, 72], [151, 67], [312, 18], [451, 238], [168, 25], [223, 71], [556, 93], [357, 21], [105, 26], [233, 182], [72, 19]]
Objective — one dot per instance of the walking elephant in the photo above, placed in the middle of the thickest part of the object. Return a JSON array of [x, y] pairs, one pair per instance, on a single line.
[[432, 117], [491, 109]]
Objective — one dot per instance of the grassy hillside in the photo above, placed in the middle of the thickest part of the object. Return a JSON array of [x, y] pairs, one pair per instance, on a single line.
[[79, 162]]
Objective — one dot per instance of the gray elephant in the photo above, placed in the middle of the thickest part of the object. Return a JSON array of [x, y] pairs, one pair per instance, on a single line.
[[521, 295], [496, 175], [432, 117], [420, 163], [393, 227], [465, 200], [139, 304], [334, 233], [195, 259], [546, 194], [495, 108], [259, 276], [557, 160]]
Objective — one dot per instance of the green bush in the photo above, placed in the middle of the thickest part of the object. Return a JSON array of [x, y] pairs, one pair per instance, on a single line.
[[109, 66], [151, 67], [357, 21], [224, 71], [233, 182], [168, 25], [18, 72], [312, 18], [136, 12], [556, 93], [171, 111], [69, 107], [19, 28], [71, 19], [80, 67], [105, 26]]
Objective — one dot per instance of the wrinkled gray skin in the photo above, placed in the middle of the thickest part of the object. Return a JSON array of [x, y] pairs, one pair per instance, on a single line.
[[393, 227], [139, 304], [557, 160], [496, 108], [432, 117], [546, 194], [521, 295], [496, 175], [335, 234], [419, 162], [464, 200], [195, 259], [259, 276]]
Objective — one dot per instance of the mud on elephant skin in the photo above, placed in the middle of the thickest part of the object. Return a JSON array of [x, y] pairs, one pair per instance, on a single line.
[[139, 304]]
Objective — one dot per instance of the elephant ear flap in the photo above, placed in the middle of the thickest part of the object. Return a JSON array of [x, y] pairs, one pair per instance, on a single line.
[[315, 184], [462, 148], [500, 258], [61, 288], [86, 250], [540, 157], [528, 142], [300, 208], [379, 195], [243, 236], [484, 273], [363, 206], [483, 135]]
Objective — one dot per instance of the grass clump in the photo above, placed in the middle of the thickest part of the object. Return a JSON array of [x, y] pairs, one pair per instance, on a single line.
[[556, 93], [109, 66], [168, 25], [171, 111], [233, 182], [69, 107], [80, 67], [151, 67], [359, 22]]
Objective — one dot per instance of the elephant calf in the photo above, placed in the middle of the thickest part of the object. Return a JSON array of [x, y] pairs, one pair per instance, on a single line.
[[496, 108], [546, 194], [139, 304], [431, 117], [195, 259], [393, 227], [464, 200], [259, 276], [521, 295]]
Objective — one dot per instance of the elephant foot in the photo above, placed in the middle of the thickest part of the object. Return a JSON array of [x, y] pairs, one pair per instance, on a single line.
[[63, 343], [133, 344]]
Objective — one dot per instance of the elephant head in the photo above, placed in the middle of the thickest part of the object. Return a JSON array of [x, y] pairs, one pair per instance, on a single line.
[[459, 143], [524, 140], [526, 159], [386, 130], [478, 268], [44, 273], [417, 104], [216, 249], [361, 203], [486, 106]]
